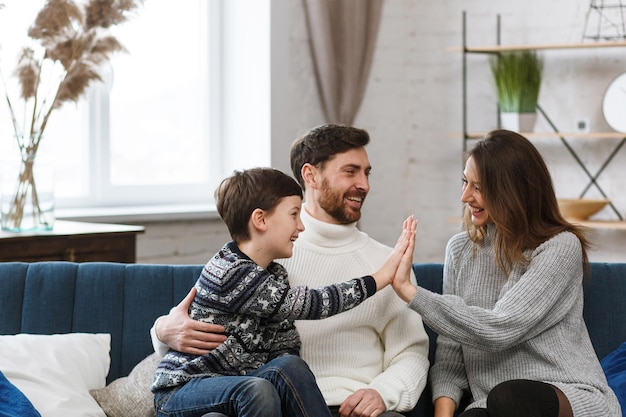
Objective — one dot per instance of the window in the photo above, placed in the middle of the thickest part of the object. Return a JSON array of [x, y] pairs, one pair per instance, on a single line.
[[169, 119]]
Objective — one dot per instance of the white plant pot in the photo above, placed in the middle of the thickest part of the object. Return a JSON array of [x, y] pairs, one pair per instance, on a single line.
[[518, 122]]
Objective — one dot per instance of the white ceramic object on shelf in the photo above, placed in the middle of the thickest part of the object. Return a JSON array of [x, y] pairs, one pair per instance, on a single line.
[[518, 122], [613, 104]]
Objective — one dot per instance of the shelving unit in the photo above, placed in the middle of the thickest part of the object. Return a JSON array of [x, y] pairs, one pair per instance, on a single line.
[[556, 133]]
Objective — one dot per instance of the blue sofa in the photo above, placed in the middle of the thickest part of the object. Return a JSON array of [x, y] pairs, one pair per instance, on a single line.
[[125, 299]]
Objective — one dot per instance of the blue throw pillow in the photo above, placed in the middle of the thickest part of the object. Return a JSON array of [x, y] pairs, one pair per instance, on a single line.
[[614, 366], [13, 402]]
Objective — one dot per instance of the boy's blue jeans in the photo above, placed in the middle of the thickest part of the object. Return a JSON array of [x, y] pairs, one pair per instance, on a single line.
[[284, 386]]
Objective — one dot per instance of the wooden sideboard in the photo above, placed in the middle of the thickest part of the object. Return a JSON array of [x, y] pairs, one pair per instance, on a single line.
[[74, 242]]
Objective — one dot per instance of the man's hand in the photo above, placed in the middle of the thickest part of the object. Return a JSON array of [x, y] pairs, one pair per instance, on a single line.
[[182, 333], [363, 403]]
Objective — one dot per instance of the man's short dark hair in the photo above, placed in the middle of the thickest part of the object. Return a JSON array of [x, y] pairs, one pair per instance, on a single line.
[[321, 143], [245, 191]]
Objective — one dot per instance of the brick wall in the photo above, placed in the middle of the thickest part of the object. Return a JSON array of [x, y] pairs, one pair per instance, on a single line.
[[412, 109]]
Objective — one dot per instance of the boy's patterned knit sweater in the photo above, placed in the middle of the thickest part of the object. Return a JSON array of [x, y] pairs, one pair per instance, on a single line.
[[258, 308]]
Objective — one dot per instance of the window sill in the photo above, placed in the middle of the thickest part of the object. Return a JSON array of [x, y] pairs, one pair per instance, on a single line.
[[140, 214]]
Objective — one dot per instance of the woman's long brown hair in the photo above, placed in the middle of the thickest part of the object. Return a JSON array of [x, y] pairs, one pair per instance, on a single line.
[[519, 196]]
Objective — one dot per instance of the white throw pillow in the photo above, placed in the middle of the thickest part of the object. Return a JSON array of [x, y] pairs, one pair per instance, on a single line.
[[56, 372]]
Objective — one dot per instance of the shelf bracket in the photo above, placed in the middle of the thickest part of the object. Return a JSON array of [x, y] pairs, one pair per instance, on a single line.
[[604, 165], [592, 178]]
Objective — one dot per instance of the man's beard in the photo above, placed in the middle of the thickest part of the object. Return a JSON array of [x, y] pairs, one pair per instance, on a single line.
[[332, 202]]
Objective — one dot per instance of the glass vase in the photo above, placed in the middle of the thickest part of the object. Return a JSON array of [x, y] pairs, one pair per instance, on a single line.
[[27, 195]]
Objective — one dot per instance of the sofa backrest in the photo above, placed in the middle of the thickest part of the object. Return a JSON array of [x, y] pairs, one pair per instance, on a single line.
[[605, 306], [120, 299], [125, 299]]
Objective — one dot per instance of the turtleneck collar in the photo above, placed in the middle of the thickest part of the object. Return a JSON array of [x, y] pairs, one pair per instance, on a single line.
[[329, 235]]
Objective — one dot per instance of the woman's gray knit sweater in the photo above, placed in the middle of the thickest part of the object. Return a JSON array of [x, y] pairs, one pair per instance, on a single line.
[[528, 325]]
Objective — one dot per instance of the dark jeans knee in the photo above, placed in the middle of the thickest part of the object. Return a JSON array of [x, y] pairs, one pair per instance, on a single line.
[[258, 394], [293, 367]]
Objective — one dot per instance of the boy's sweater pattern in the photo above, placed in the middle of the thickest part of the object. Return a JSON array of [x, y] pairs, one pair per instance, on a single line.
[[257, 307]]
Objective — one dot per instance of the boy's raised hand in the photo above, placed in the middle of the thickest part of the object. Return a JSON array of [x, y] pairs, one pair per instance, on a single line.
[[385, 275]]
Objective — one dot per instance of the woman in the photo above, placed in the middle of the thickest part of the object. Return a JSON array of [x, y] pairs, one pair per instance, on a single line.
[[510, 318]]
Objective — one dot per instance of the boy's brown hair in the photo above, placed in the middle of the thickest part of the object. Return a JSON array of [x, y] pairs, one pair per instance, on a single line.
[[245, 191]]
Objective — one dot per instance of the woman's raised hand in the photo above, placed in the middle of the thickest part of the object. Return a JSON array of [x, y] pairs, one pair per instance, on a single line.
[[385, 275], [402, 280]]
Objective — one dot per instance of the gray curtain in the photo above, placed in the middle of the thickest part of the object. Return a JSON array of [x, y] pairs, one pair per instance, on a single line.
[[343, 37]]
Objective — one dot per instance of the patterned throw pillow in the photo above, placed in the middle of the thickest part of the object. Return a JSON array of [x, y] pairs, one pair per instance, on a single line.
[[131, 392]]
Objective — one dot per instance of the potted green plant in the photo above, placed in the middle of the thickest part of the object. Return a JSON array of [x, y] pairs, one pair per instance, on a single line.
[[517, 76]]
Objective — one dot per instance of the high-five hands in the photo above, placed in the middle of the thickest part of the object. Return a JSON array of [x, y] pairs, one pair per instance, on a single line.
[[402, 280], [385, 275]]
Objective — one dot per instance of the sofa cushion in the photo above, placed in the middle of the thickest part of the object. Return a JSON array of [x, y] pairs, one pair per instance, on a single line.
[[13, 402], [131, 392], [56, 372]]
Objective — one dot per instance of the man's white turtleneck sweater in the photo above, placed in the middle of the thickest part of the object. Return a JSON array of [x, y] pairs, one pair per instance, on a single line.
[[380, 344]]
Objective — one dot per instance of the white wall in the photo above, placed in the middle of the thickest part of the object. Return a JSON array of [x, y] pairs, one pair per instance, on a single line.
[[413, 112], [180, 242], [412, 109]]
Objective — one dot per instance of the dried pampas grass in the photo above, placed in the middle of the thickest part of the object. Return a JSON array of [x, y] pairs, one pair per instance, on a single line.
[[70, 43]]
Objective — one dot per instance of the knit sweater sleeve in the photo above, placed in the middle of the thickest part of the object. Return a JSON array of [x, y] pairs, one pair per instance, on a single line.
[[246, 288], [304, 303], [447, 374], [541, 296]]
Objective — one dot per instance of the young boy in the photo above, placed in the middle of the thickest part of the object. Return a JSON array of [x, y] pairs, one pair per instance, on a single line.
[[256, 371]]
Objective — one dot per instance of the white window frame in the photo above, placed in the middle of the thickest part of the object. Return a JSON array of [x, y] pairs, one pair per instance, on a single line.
[[237, 92], [104, 193]]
